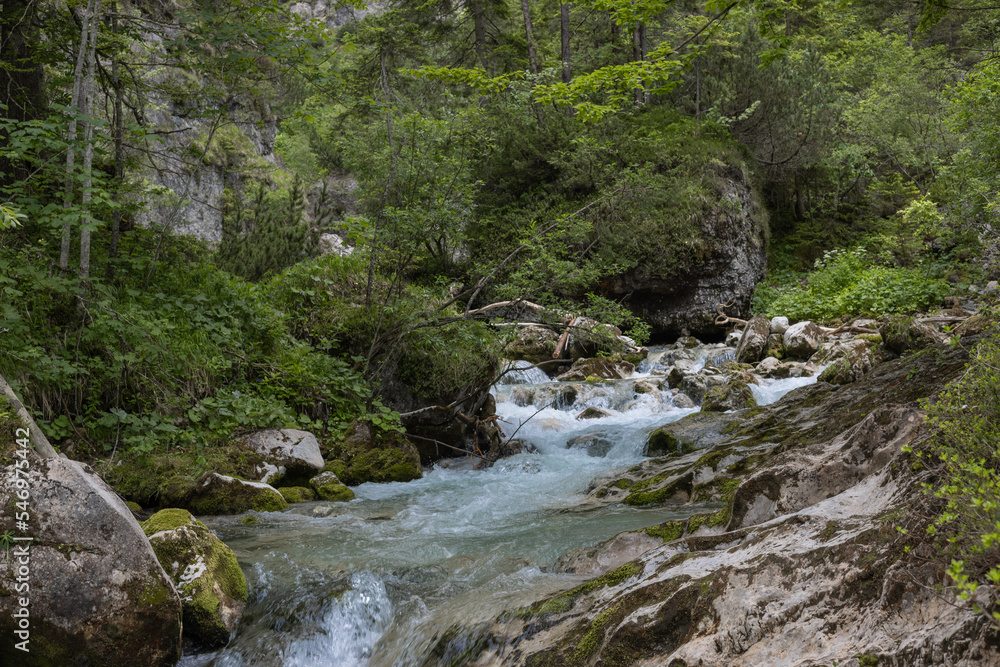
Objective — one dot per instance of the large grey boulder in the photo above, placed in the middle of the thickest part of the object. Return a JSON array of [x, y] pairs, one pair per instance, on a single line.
[[205, 572], [802, 339], [95, 590], [753, 344], [287, 453]]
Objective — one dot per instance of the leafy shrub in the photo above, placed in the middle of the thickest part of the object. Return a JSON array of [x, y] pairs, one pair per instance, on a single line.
[[966, 422]]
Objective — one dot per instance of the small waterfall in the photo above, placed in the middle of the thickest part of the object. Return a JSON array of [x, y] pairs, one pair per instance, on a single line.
[[523, 372]]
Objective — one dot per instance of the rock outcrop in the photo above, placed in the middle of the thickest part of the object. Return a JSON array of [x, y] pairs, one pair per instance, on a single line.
[[731, 263], [288, 455], [97, 594], [205, 573], [799, 561]]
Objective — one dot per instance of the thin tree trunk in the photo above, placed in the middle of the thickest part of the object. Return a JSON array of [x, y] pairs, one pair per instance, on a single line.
[[564, 32], [697, 92], [88, 151], [38, 439], [529, 34], [643, 51], [637, 57], [71, 132], [119, 132]]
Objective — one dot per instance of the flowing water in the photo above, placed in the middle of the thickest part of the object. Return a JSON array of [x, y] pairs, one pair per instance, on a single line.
[[381, 580]]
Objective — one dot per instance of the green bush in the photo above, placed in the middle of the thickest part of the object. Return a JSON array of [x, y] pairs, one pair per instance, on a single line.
[[966, 422]]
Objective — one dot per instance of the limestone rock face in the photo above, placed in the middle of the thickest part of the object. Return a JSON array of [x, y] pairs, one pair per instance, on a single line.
[[754, 340], [802, 339], [204, 570], [734, 259], [288, 453], [97, 593], [801, 565]]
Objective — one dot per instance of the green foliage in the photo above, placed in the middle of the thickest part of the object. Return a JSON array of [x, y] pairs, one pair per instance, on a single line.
[[847, 283], [966, 423], [270, 232]]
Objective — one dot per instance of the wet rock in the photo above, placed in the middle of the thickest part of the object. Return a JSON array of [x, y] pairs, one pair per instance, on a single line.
[[97, 593], [289, 454], [329, 487], [646, 387], [533, 343], [588, 338], [754, 340], [694, 386], [733, 338], [775, 346], [213, 493], [297, 494], [600, 367], [566, 396], [210, 583], [522, 396], [596, 445], [772, 368], [683, 401], [594, 413], [802, 339], [733, 395], [779, 325]]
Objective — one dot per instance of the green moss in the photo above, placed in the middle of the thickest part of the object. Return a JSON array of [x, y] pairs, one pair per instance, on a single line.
[[668, 532], [721, 489], [564, 601], [623, 483], [663, 494], [168, 519], [298, 494], [249, 520], [328, 487], [234, 497], [135, 507], [662, 443], [867, 660], [591, 641]]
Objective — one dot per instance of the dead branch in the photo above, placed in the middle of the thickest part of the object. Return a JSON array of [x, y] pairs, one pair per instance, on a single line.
[[38, 440], [722, 319]]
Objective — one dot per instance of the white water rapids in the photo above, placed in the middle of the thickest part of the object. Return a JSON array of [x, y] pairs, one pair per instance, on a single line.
[[382, 579]]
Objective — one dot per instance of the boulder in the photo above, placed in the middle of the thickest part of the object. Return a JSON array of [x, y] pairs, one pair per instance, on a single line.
[[683, 401], [367, 455], [600, 367], [594, 413], [522, 396], [289, 454], [733, 338], [329, 487], [802, 339], [533, 343], [779, 325], [205, 572], [213, 493], [775, 346], [851, 360], [96, 593], [676, 289], [595, 444], [900, 334], [297, 494], [734, 395], [754, 340], [772, 368]]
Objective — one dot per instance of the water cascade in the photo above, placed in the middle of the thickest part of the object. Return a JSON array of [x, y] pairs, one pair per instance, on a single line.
[[381, 580]]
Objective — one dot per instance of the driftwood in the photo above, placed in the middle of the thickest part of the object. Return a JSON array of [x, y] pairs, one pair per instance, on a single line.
[[564, 340], [849, 328], [38, 440], [722, 319], [527, 305]]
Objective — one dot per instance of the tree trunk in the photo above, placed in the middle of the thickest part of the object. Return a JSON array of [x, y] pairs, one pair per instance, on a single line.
[[637, 57], [22, 81], [88, 150], [81, 56], [564, 32], [119, 132], [38, 439], [529, 34], [479, 23]]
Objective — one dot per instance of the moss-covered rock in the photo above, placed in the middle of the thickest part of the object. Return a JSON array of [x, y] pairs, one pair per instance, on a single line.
[[213, 493], [851, 361], [903, 333], [533, 343], [297, 494], [366, 455], [753, 343], [205, 572], [329, 487], [734, 395]]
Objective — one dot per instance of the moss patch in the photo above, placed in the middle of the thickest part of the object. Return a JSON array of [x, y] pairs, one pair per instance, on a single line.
[[328, 487], [298, 494], [564, 601], [668, 532]]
